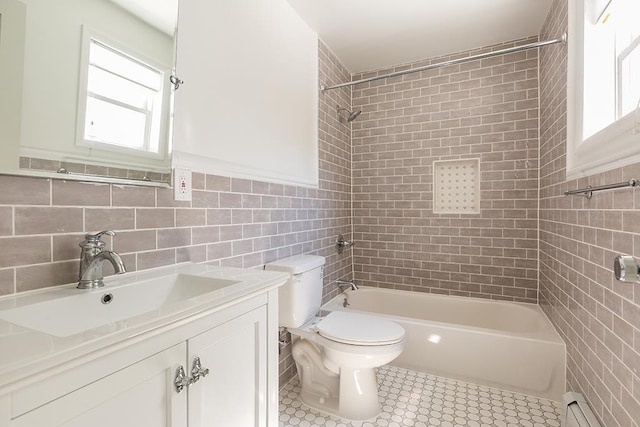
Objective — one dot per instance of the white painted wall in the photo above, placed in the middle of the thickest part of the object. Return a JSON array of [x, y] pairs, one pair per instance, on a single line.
[[12, 18], [248, 107], [52, 66]]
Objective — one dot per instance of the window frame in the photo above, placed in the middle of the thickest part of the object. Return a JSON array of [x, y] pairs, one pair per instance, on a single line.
[[626, 52], [616, 145], [88, 35]]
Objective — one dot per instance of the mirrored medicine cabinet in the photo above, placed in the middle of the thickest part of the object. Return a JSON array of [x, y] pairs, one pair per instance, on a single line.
[[86, 88]]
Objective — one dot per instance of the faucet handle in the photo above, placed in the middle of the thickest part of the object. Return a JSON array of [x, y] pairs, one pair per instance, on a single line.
[[98, 236], [93, 241], [342, 244]]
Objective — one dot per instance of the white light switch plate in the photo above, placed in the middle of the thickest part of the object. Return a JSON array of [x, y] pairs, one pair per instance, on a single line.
[[182, 184]]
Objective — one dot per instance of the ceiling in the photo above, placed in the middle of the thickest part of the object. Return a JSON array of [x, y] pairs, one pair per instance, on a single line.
[[162, 15], [372, 34]]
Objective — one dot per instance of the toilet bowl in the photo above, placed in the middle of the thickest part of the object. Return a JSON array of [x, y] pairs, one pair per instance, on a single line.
[[336, 357]]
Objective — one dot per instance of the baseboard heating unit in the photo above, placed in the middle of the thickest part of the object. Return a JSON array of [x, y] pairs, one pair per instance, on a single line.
[[578, 413]]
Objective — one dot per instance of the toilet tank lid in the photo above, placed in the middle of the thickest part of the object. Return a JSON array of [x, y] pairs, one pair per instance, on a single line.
[[296, 264]]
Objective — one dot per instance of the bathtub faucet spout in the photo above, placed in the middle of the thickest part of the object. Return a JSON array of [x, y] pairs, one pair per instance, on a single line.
[[347, 284]]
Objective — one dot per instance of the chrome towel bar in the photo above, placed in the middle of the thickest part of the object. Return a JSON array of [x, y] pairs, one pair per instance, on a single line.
[[588, 192]]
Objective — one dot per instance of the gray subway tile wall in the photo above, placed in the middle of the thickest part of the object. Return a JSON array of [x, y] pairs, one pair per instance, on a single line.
[[25, 191], [269, 226], [19, 251], [6, 221], [75, 193], [133, 196], [486, 109], [598, 317]]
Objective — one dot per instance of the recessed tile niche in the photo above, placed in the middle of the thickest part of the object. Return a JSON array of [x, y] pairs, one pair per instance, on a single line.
[[456, 186]]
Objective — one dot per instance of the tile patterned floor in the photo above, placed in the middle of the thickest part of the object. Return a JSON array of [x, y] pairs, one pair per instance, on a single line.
[[416, 399]]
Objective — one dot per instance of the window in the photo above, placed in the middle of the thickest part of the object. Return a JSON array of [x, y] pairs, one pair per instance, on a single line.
[[628, 76], [603, 125], [121, 100]]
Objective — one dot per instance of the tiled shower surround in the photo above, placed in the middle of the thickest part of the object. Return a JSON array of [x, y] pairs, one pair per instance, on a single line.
[[598, 317], [485, 109]]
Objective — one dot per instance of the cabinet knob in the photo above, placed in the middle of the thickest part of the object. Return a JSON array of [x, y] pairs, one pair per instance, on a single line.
[[181, 381], [198, 371]]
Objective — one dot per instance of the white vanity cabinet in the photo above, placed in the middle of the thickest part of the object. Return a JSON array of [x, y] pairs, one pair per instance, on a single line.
[[138, 395], [234, 392], [135, 385]]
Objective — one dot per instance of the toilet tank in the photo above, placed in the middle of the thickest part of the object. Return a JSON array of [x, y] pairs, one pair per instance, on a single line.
[[301, 297]]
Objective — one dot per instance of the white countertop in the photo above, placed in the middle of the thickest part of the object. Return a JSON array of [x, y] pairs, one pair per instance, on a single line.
[[25, 351]]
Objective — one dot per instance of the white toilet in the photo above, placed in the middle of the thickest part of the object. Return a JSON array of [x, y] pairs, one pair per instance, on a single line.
[[336, 355]]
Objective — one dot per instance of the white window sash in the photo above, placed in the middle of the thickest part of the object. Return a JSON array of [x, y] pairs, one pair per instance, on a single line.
[[137, 83], [621, 57], [89, 35], [615, 146], [147, 121]]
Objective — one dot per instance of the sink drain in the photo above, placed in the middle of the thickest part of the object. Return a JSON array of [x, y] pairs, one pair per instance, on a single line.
[[106, 298]]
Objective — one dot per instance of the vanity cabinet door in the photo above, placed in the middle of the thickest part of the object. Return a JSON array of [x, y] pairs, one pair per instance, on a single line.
[[234, 393], [142, 394]]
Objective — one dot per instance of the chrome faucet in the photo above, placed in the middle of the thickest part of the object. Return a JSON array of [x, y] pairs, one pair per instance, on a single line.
[[92, 256], [347, 284]]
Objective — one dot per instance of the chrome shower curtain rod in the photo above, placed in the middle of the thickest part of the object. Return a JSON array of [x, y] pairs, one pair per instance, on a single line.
[[562, 39]]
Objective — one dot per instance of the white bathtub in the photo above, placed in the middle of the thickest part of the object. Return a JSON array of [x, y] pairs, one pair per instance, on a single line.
[[508, 345]]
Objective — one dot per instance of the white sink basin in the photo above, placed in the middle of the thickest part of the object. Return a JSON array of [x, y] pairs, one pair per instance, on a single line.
[[85, 310]]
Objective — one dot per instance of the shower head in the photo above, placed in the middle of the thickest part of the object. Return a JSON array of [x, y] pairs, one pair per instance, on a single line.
[[352, 114]]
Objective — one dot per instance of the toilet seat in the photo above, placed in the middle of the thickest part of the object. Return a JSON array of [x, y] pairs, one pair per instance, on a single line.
[[359, 329]]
